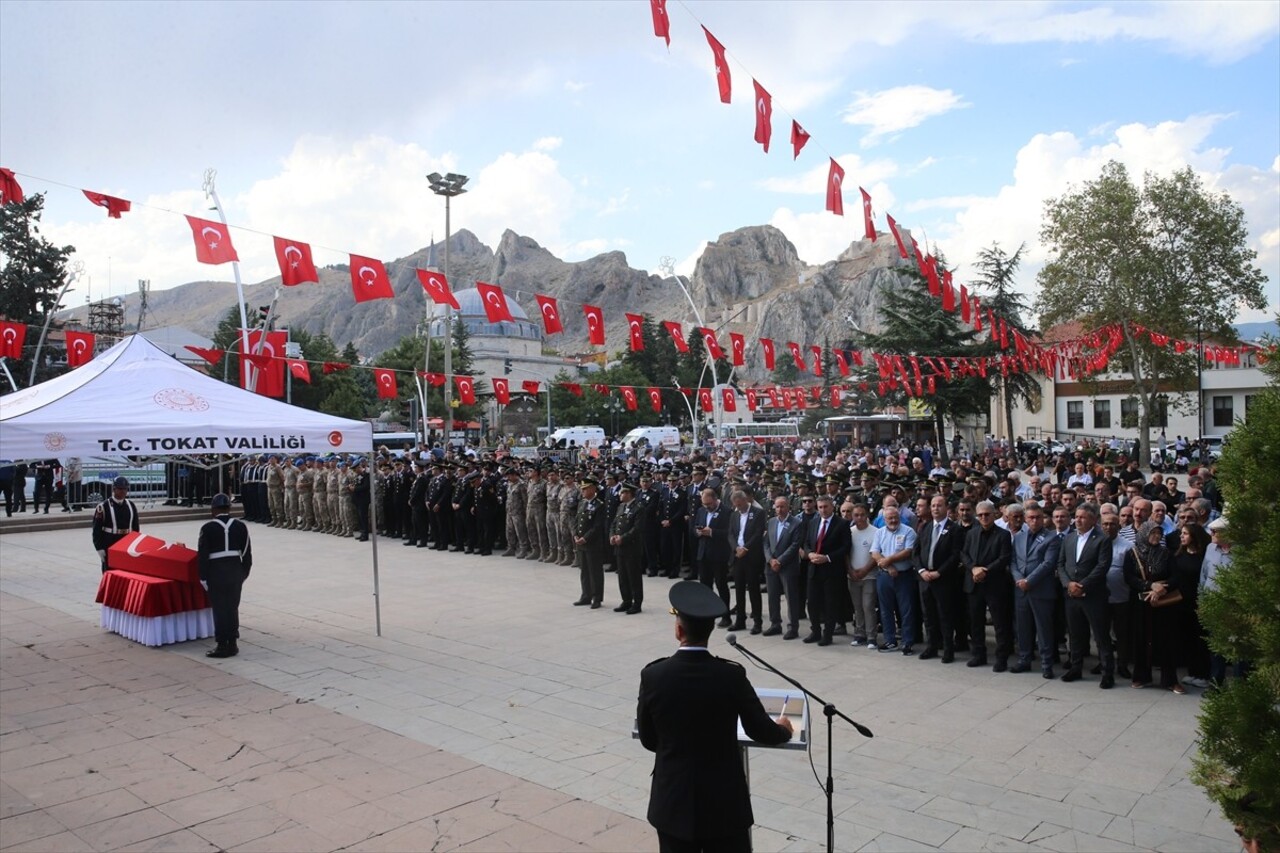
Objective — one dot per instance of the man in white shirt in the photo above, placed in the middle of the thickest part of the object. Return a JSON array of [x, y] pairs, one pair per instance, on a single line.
[[862, 575]]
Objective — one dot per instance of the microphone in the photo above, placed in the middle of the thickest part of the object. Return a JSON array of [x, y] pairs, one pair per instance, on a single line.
[[732, 639]]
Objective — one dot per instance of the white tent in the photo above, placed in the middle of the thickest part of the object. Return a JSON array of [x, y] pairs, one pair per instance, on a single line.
[[135, 400]]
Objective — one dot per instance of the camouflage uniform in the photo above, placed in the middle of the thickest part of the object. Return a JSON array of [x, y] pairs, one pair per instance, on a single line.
[[306, 480], [517, 531], [569, 498], [275, 492], [536, 519], [320, 490], [552, 554], [350, 521]]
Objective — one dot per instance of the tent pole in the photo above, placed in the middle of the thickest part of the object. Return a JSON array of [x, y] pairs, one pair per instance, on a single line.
[[373, 542]]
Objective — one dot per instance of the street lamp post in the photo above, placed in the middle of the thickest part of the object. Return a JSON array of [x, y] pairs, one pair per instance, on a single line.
[[668, 265], [449, 185], [75, 272]]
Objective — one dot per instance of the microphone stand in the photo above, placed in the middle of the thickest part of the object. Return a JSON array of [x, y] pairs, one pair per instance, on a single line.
[[830, 712]]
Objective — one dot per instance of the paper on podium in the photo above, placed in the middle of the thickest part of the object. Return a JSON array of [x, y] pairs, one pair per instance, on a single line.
[[797, 711]]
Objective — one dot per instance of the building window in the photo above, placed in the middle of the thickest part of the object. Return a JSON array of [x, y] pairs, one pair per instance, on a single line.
[[1161, 416], [1222, 412], [1102, 414], [1248, 404], [1075, 414], [1129, 413]]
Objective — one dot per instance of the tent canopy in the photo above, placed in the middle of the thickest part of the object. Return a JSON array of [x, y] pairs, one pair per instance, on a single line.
[[136, 400]]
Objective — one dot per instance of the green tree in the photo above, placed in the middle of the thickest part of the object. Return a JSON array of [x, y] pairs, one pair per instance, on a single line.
[[996, 270], [1239, 758], [914, 323], [1169, 256], [34, 270]]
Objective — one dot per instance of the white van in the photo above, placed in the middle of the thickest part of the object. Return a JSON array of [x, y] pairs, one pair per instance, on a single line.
[[577, 436], [659, 437]]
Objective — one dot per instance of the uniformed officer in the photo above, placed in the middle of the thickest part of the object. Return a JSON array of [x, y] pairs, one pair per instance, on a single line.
[[113, 519], [274, 479], [687, 714], [225, 559], [487, 509], [320, 497], [306, 503], [551, 513], [570, 497], [627, 538], [517, 530], [589, 532], [536, 514], [671, 525], [291, 494], [440, 505]]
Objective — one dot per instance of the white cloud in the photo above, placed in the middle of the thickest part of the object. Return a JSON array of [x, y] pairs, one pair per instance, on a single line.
[[820, 236], [892, 110], [1050, 164], [616, 204], [857, 172], [574, 86], [548, 143]]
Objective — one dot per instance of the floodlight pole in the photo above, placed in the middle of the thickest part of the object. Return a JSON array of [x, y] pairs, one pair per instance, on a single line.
[[449, 185]]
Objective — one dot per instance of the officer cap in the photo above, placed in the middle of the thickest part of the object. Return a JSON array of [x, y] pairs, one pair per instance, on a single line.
[[220, 501], [588, 481], [692, 599], [512, 472], [120, 483], [674, 475], [629, 487]]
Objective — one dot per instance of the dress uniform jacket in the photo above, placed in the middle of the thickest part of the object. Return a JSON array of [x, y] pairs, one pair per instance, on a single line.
[[687, 714]]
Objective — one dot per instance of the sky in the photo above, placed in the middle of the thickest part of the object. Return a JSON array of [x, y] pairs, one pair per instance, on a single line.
[[582, 130]]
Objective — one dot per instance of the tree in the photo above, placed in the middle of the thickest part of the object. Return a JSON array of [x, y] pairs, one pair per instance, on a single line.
[[996, 270], [914, 323], [1169, 256], [35, 270], [1239, 759]]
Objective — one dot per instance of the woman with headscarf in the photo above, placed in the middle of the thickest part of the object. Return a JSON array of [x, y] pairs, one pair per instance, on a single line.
[[1149, 572]]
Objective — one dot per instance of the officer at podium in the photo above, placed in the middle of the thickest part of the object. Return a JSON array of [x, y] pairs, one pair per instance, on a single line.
[[688, 713]]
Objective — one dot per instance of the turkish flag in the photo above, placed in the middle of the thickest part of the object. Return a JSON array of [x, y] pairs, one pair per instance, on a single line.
[[10, 192], [977, 312], [738, 346], [798, 356], [704, 400], [531, 386], [767, 345], [857, 357], [386, 382], [466, 389], [635, 325], [841, 362], [334, 367], [931, 275], [835, 397], [1004, 334], [213, 243], [948, 293], [661, 23], [964, 303], [501, 390], [897, 238], [300, 370], [677, 335], [601, 389], [295, 262], [79, 348], [752, 399], [799, 136], [369, 279], [835, 196], [817, 360], [629, 397], [764, 116], [266, 371], [115, 206], [868, 225], [723, 80], [550, 314], [595, 324], [210, 355], [495, 303], [775, 397], [655, 399], [713, 346], [572, 387], [436, 286], [728, 400], [12, 337]]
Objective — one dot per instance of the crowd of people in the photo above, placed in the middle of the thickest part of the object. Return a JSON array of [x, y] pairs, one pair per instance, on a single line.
[[1018, 561]]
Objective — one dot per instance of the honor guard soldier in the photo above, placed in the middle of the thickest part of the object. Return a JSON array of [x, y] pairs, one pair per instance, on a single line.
[[419, 521], [320, 497], [291, 494], [589, 532], [551, 514], [699, 798], [225, 559], [536, 514], [440, 505], [274, 479], [487, 509], [113, 519], [517, 531], [570, 496], [306, 504], [626, 535]]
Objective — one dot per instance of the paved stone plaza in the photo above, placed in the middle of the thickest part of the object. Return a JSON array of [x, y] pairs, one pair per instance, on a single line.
[[492, 715]]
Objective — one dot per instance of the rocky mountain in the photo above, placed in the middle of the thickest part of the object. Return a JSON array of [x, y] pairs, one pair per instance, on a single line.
[[749, 281]]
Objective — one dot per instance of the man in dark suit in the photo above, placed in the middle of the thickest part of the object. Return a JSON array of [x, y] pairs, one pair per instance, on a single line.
[[985, 557], [826, 548], [1035, 566], [712, 553], [746, 539], [782, 541], [1082, 570], [937, 560], [589, 535], [687, 714]]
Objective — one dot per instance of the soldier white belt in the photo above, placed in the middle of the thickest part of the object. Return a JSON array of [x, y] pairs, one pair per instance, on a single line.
[[220, 555]]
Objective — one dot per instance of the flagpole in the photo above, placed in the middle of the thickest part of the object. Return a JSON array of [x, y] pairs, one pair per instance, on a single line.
[[211, 192], [76, 271], [429, 310]]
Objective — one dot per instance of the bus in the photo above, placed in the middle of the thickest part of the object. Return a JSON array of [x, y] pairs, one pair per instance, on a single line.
[[870, 430], [761, 432]]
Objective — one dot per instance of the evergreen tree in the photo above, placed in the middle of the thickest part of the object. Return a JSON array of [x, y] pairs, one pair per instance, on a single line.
[[996, 270], [35, 270]]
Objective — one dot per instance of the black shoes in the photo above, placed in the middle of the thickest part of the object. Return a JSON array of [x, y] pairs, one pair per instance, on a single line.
[[632, 611], [595, 605], [813, 637], [623, 607], [887, 647], [1108, 681], [724, 622], [581, 601], [1002, 665], [223, 651], [738, 625], [773, 631], [976, 662], [1020, 666], [948, 656], [756, 629], [929, 654], [791, 634], [909, 651], [825, 641], [1071, 675]]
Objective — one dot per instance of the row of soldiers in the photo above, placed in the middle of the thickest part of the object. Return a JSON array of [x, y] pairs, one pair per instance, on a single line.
[[320, 494]]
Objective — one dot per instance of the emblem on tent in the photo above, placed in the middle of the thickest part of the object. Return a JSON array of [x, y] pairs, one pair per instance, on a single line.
[[180, 400], [55, 442], [335, 438]]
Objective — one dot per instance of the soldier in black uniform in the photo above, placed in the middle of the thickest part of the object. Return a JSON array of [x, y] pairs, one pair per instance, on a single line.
[[589, 532], [225, 559], [415, 502], [699, 799], [626, 535], [487, 509], [464, 506], [671, 523], [440, 506], [113, 519], [650, 498]]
